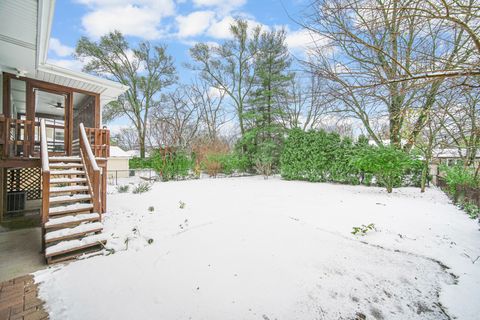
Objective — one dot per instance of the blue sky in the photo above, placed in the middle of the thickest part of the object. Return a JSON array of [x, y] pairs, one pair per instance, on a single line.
[[179, 24]]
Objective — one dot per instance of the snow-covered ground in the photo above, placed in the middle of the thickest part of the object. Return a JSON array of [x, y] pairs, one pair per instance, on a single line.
[[249, 248]]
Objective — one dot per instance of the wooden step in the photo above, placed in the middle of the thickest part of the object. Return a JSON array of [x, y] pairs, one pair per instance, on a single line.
[[71, 172], [62, 165], [70, 220], [70, 198], [67, 180], [75, 232], [71, 208], [69, 189], [74, 245], [64, 159]]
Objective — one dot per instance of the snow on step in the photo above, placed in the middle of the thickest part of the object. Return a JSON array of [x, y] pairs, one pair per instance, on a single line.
[[78, 197], [66, 165], [66, 172], [70, 219], [68, 188], [70, 245], [71, 207], [81, 229], [64, 159], [67, 180]]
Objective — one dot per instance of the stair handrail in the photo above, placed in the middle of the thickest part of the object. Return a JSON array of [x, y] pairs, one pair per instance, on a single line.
[[45, 171], [92, 169]]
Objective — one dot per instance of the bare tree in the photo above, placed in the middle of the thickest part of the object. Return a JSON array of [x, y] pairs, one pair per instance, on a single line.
[[210, 103], [304, 106], [126, 138], [175, 118], [367, 43], [230, 66]]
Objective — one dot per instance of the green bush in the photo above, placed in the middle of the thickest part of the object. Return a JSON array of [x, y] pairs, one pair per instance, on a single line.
[[389, 165], [139, 163], [228, 163], [320, 156], [173, 165], [459, 176]]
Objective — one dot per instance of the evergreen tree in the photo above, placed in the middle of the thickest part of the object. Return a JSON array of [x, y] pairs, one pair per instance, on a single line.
[[272, 78]]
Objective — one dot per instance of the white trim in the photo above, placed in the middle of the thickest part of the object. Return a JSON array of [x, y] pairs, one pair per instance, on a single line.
[[45, 10], [83, 77]]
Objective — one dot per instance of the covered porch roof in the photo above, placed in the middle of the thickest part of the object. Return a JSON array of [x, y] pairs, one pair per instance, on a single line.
[[24, 41]]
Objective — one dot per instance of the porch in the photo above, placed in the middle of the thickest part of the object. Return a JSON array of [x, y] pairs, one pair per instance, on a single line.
[[53, 163]]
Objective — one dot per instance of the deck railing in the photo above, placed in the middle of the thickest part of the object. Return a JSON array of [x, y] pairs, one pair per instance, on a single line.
[[45, 175], [92, 169], [100, 141], [17, 138]]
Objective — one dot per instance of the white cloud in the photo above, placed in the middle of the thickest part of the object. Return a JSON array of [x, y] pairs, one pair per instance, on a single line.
[[221, 29], [304, 42], [225, 5], [195, 23], [60, 49], [298, 40], [140, 18]]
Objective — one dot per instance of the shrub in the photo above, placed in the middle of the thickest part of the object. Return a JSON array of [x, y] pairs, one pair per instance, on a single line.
[[151, 209], [320, 156], [139, 163], [459, 176], [123, 188], [471, 209], [172, 165], [388, 164], [142, 187], [228, 163]]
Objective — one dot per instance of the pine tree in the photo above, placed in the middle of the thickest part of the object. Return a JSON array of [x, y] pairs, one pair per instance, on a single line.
[[272, 78]]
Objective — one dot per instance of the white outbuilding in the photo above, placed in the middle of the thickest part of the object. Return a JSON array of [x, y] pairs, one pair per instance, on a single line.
[[117, 165]]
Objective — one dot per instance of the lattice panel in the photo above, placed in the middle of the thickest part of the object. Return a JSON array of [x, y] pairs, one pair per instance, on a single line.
[[25, 179]]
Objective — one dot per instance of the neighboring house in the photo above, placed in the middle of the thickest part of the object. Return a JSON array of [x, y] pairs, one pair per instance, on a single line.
[[451, 156], [118, 163], [52, 145]]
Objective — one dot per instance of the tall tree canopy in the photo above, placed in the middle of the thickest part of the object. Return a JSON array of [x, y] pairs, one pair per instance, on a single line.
[[146, 70]]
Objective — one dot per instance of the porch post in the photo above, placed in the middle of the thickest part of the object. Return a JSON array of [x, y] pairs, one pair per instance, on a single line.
[[3, 192]]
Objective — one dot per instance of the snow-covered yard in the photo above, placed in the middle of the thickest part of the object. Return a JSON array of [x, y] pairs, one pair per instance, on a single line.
[[249, 248]]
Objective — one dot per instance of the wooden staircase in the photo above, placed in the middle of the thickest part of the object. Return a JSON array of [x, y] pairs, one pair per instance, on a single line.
[[70, 205]]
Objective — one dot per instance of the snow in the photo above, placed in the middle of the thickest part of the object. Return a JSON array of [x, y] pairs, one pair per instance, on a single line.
[[64, 159], [70, 219], [67, 180], [77, 197], [83, 228], [68, 188], [65, 164], [249, 248], [75, 206], [72, 244], [66, 172]]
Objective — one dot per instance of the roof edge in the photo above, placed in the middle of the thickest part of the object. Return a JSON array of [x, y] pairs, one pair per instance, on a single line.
[[84, 77]]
